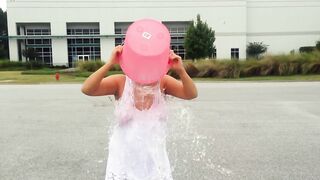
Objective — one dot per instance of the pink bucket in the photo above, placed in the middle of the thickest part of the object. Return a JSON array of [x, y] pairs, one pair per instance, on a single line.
[[145, 54]]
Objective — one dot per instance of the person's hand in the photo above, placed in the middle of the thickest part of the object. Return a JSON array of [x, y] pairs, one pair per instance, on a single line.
[[176, 62], [114, 58]]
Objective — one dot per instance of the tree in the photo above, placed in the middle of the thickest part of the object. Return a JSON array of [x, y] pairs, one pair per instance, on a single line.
[[255, 49], [4, 47], [199, 40], [3, 52], [30, 54]]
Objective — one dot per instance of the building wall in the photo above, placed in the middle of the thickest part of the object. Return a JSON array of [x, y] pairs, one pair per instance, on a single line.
[[282, 24]]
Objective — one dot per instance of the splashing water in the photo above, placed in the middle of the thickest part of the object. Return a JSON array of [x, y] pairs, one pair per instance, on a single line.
[[191, 154]]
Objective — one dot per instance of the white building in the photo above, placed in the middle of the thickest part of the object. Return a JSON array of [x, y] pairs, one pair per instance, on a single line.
[[63, 31]]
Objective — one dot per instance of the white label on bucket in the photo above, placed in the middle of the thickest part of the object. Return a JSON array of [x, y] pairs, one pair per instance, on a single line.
[[146, 35]]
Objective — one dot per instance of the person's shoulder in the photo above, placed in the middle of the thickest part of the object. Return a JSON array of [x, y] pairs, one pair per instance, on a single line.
[[118, 81], [164, 81], [167, 78], [117, 76]]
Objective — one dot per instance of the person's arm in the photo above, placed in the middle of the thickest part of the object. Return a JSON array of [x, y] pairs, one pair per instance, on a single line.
[[97, 84], [185, 88]]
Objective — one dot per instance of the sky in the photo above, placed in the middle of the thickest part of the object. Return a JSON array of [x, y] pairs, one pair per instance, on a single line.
[[3, 5]]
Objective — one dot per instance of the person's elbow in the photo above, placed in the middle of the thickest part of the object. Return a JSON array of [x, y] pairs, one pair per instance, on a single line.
[[86, 91], [192, 95], [195, 95]]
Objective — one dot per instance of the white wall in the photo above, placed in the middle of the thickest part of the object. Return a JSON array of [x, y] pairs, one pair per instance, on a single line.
[[236, 22], [284, 25]]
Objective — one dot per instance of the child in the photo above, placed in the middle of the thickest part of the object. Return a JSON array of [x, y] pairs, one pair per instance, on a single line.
[[137, 147]]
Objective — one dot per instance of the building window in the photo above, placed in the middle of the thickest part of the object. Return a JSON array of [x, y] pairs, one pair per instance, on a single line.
[[234, 53], [214, 54], [36, 41], [83, 48], [120, 29], [178, 30]]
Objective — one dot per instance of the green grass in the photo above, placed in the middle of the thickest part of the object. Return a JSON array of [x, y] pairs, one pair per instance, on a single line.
[[44, 76], [50, 71], [43, 71], [17, 77]]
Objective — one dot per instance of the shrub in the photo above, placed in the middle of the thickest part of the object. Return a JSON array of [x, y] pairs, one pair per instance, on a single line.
[[34, 65], [250, 68], [318, 45], [229, 69], [283, 65], [313, 68], [190, 69], [7, 63], [30, 53], [306, 49], [59, 67], [255, 49], [215, 68], [269, 66], [207, 68], [90, 66], [12, 65]]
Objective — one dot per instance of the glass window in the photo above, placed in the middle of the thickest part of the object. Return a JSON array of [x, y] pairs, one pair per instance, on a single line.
[[68, 31], [87, 49], [78, 31], [86, 41], [38, 50], [173, 30], [181, 30], [37, 31], [86, 31], [234, 53], [45, 31], [30, 41], [47, 60], [118, 41], [79, 41], [46, 49], [30, 32], [214, 54], [46, 41], [96, 31], [38, 41], [117, 31], [96, 40]]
